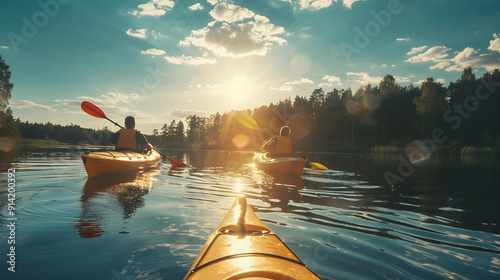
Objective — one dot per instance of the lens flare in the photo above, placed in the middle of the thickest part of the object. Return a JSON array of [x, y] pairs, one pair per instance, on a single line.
[[6, 144], [352, 106], [240, 141], [370, 102], [418, 151]]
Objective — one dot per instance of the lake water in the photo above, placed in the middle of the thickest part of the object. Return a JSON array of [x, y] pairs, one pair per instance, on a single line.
[[441, 222]]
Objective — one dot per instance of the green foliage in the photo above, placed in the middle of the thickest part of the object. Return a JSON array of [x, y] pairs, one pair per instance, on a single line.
[[388, 86], [8, 126], [39, 142], [430, 101], [477, 151], [70, 134]]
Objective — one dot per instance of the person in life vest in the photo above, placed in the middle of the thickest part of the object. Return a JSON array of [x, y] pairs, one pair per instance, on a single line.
[[130, 139], [280, 145]]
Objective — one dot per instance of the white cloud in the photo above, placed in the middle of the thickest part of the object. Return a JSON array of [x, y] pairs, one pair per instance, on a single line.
[[348, 3], [300, 81], [332, 79], [403, 39], [434, 54], [189, 60], [215, 2], [235, 32], [417, 50], [440, 65], [364, 78], [469, 57], [26, 104], [138, 33], [4, 47], [69, 103], [157, 35], [154, 8], [154, 52], [324, 85], [113, 98], [495, 43], [282, 88], [196, 7], [230, 13], [401, 79], [237, 40], [319, 4]]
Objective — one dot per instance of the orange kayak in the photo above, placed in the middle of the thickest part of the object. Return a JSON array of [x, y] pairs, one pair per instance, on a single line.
[[108, 162], [242, 247], [287, 165]]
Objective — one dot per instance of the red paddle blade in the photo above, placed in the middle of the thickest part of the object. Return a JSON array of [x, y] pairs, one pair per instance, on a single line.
[[92, 110], [177, 163]]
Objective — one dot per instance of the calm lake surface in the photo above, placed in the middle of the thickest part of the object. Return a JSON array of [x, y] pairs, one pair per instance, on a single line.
[[441, 222]]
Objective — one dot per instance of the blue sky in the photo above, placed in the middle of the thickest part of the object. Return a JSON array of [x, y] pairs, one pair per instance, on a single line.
[[161, 60]]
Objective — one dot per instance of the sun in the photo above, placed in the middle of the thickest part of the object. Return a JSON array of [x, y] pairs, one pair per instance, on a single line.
[[238, 90]]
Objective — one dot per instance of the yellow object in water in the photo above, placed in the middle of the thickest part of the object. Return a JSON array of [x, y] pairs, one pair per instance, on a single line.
[[242, 247]]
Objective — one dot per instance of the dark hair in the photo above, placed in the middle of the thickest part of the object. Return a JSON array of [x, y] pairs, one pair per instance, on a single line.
[[285, 131], [129, 122]]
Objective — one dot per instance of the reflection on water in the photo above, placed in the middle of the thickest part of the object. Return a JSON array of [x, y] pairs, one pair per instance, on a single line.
[[345, 223], [128, 189]]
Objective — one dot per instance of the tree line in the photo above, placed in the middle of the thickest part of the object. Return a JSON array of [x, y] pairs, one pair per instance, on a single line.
[[465, 113]]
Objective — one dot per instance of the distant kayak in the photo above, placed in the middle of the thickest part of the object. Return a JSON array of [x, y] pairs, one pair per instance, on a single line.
[[288, 165], [108, 162], [242, 247]]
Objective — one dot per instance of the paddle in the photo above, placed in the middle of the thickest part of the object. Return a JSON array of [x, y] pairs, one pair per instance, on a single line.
[[249, 122], [95, 111]]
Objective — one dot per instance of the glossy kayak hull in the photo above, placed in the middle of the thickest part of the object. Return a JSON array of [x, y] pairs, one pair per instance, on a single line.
[[242, 247], [109, 162], [285, 165]]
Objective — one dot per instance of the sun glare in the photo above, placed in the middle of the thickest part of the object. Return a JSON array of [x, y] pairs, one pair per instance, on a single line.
[[238, 91], [238, 186]]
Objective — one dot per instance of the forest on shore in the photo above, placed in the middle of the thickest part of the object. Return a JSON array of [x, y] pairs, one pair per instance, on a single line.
[[462, 117]]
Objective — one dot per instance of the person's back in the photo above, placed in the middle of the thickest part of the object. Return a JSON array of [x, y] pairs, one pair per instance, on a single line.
[[130, 139], [280, 145], [126, 140], [283, 146]]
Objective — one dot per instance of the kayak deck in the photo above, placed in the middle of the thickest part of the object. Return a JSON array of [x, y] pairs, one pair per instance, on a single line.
[[242, 247], [285, 165], [108, 162]]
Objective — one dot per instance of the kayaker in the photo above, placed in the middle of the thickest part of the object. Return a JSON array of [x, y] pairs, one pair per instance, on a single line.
[[130, 139], [280, 145]]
